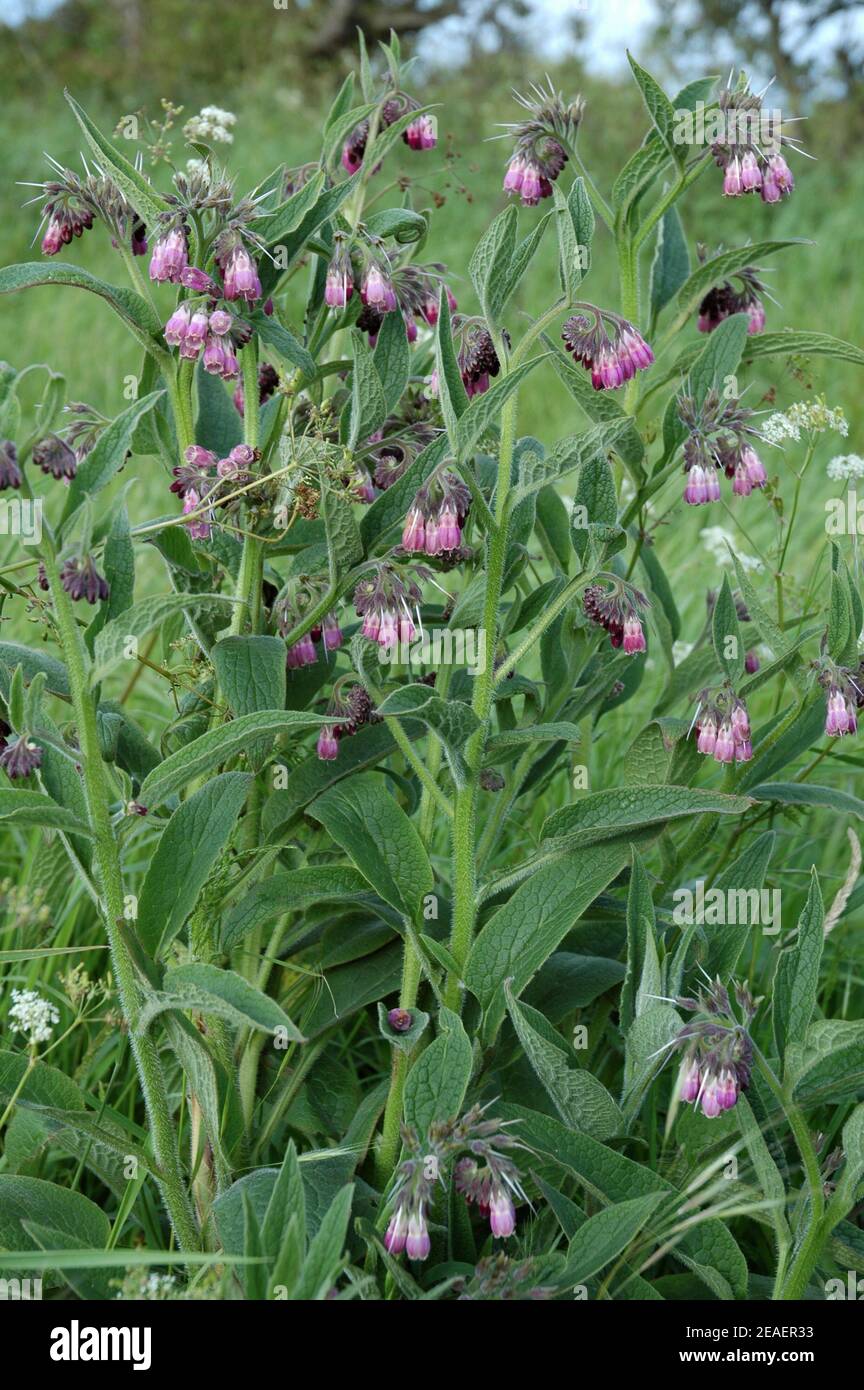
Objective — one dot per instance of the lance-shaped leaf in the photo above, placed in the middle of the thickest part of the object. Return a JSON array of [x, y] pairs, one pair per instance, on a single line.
[[660, 108], [146, 201], [606, 1235], [189, 847], [438, 1080], [120, 637], [483, 410], [726, 634], [392, 359], [452, 721], [580, 1099], [671, 265], [367, 822], [368, 404], [109, 452], [451, 388], [218, 746], [281, 893], [715, 271], [207, 989], [29, 808], [136, 312], [603, 815], [283, 342], [796, 979]]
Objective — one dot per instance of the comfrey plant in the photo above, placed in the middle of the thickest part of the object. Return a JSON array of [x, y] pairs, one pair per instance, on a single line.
[[392, 968]]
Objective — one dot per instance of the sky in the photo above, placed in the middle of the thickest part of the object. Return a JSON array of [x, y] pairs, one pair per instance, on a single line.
[[612, 25]]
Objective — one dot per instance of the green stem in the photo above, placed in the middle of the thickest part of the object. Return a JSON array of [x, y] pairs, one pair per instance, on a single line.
[[388, 1148], [107, 862], [793, 1284], [465, 812]]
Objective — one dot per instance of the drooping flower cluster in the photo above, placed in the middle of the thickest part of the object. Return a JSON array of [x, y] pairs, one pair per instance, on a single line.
[[54, 456], [718, 1055], [540, 143], [10, 472], [353, 709], [486, 1176], [20, 758], [387, 600], [723, 726], [437, 515], [201, 477], [72, 204], [722, 301], [719, 434], [32, 1015], [81, 579], [844, 697], [749, 148], [419, 134], [617, 610], [292, 608], [612, 354]]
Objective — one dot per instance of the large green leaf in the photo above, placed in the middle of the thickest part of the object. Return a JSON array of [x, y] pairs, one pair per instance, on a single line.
[[438, 1080], [365, 820], [189, 847], [218, 746]]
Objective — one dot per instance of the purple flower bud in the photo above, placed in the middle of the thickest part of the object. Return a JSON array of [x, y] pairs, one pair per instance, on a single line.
[[751, 175], [377, 290], [634, 637], [327, 746], [81, 579], [54, 456], [724, 747], [707, 738], [199, 457], [689, 1079], [20, 758], [220, 322], [417, 1244], [711, 1106], [502, 1213], [199, 528], [397, 1231], [198, 280], [400, 1020], [732, 183], [333, 635], [420, 134], [751, 663]]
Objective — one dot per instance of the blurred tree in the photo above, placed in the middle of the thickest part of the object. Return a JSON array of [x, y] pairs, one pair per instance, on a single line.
[[805, 43]]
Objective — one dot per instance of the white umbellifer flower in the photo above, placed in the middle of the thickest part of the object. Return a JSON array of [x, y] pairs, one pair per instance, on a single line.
[[815, 417], [715, 540], [846, 466], [33, 1015], [198, 166], [211, 123]]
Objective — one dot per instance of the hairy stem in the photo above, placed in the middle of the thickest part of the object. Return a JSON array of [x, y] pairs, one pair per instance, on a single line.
[[107, 861]]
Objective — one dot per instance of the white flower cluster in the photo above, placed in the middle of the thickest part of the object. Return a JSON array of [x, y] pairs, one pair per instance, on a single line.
[[813, 417], [211, 123], [33, 1015], [715, 540], [198, 166], [846, 466]]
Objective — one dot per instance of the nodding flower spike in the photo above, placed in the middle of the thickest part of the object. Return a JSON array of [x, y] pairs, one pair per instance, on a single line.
[[169, 257], [240, 276]]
